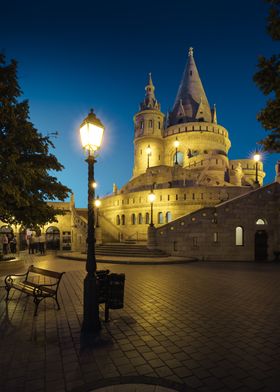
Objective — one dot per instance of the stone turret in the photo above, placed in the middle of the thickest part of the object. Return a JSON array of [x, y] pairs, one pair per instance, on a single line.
[[191, 103], [148, 125]]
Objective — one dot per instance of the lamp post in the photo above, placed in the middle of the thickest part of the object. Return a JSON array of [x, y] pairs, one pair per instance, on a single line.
[[97, 204], [176, 145], [149, 152], [151, 198], [91, 132], [257, 158]]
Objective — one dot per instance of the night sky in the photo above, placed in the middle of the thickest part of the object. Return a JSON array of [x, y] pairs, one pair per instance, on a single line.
[[74, 56]]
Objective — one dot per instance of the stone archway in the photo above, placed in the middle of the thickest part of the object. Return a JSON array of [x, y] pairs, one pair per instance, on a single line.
[[52, 238], [261, 238]]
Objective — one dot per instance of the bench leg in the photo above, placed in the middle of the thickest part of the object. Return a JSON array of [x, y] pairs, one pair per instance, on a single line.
[[56, 300], [36, 302], [8, 292], [107, 318]]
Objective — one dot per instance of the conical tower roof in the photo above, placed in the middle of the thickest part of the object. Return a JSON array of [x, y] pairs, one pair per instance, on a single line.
[[191, 96]]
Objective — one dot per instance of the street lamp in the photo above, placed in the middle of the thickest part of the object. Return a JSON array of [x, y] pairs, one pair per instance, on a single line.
[[97, 204], [151, 198], [257, 158], [149, 153], [91, 132], [176, 145]]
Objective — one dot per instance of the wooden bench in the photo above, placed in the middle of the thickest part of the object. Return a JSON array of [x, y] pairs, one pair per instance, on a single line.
[[28, 286]]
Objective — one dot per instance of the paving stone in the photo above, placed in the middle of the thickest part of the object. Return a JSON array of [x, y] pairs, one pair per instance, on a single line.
[[189, 334]]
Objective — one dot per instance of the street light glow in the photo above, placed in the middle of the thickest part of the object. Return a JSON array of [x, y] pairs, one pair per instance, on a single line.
[[91, 132], [257, 157], [151, 197]]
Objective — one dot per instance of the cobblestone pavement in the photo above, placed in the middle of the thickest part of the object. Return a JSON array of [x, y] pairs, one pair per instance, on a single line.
[[193, 327]]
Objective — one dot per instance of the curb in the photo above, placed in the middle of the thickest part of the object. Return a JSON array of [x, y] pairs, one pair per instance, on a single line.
[[129, 262]]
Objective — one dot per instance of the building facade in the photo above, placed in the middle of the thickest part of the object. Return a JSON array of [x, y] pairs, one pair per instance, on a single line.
[[183, 157], [206, 205]]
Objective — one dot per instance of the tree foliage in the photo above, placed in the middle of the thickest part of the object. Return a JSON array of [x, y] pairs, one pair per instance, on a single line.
[[267, 79], [25, 160]]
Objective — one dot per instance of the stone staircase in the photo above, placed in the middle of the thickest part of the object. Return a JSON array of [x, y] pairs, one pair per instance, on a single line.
[[128, 250]]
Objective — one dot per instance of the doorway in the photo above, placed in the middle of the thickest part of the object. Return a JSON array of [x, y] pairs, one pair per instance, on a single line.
[[261, 245]]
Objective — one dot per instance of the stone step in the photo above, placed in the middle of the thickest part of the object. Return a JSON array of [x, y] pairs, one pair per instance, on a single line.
[[128, 250]]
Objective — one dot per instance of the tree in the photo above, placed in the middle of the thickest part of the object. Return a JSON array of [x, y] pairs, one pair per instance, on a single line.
[[25, 161], [268, 80]]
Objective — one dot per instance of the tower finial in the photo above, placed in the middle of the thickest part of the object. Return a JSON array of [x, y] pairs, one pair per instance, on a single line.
[[191, 51]]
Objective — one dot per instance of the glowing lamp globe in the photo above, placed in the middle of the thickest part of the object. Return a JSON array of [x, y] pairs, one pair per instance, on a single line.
[[149, 150], [176, 144], [91, 132], [97, 203], [151, 197], [257, 157]]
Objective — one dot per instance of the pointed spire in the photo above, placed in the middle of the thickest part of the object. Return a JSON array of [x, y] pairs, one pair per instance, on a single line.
[[191, 95], [214, 114], [150, 101]]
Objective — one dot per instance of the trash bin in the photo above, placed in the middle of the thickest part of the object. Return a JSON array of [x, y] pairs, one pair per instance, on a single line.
[[102, 285], [116, 291]]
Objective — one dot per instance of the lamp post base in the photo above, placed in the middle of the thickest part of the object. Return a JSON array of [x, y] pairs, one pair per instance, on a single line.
[[152, 241], [91, 323]]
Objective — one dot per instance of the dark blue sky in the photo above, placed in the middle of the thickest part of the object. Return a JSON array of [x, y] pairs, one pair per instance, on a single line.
[[97, 54]]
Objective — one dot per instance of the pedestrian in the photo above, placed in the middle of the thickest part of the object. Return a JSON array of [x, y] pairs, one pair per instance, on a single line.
[[5, 243], [13, 245], [31, 244], [42, 244]]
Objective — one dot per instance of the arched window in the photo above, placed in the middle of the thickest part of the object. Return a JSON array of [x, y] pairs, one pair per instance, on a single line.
[[118, 221], [140, 219], [261, 221], [160, 217], [180, 158], [239, 236], [123, 219], [168, 217], [133, 219], [147, 218]]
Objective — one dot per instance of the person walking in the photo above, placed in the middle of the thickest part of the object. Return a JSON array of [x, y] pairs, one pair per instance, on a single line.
[[5, 242], [13, 245], [31, 244], [42, 244]]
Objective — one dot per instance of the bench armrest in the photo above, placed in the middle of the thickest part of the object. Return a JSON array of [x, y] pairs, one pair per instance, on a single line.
[[9, 278]]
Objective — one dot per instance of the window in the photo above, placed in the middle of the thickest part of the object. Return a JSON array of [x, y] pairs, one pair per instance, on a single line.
[[123, 219], [260, 222], [168, 217], [215, 237], [175, 247], [176, 197], [239, 236], [160, 198], [195, 242], [168, 197], [118, 221], [147, 218], [160, 217], [150, 123], [140, 219], [159, 125], [193, 196], [180, 158], [185, 196], [133, 219], [142, 124]]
